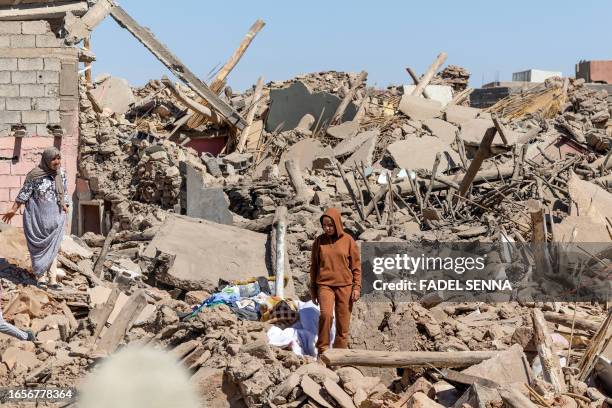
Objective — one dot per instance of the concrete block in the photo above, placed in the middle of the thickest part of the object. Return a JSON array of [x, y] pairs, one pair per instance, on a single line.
[[7, 181], [420, 153], [192, 240], [365, 153], [42, 130], [48, 41], [46, 104], [52, 64], [2, 104], [31, 90], [35, 27], [34, 117], [31, 130], [5, 77], [23, 77], [48, 77], [30, 64], [5, 41], [350, 145], [207, 203], [304, 153], [290, 104], [9, 91], [51, 90], [418, 108], [114, 93], [18, 104], [440, 93], [23, 41], [54, 117], [10, 117], [8, 64], [10, 27]]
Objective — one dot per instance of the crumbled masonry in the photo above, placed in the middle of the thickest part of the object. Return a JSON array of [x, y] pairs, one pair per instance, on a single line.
[[534, 167]]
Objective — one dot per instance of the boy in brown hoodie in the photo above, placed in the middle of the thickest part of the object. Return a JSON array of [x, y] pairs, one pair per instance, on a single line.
[[335, 279]]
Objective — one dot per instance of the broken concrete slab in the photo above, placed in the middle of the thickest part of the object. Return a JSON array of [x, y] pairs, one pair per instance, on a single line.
[[439, 93], [507, 367], [473, 131], [420, 153], [460, 114], [313, 390], [350, 145], [441, 129], [344, 130], [206, 203], [288, 106], [231, 253], [14, 356], [418, 108], [71, 248], [365, 153], [115, 94], [420, 400], [303, 153], [338, 394]]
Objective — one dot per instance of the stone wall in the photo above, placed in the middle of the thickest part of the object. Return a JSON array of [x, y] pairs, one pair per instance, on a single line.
[[38, 90]]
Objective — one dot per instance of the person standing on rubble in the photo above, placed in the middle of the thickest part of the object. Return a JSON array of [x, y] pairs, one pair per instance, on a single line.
[[335, 279], [44, 219]]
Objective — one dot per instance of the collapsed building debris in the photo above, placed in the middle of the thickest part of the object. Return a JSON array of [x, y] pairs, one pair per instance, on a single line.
[[189, 223]]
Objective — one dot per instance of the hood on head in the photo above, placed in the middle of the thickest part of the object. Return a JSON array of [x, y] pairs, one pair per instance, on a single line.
[[334, 214]]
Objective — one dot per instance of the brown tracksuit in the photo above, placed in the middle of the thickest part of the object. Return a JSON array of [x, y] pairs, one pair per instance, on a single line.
[[335, 271]]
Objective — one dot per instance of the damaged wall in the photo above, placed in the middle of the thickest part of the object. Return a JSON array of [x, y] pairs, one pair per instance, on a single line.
[[38, 90]]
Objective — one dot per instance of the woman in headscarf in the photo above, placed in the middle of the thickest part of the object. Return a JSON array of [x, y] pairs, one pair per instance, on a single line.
[[335, 279], [44, 219]]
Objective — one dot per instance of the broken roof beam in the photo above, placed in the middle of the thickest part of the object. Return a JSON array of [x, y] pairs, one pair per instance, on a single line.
[[372, 358], [190, 103], [219, 82], [429, 74], [38, 12], [78, 29], [177, 67]]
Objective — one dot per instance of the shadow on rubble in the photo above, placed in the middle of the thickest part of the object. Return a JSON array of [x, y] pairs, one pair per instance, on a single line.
[[15, 274]]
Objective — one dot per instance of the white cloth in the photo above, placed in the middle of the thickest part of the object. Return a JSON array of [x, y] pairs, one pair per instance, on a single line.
[[302, 336]]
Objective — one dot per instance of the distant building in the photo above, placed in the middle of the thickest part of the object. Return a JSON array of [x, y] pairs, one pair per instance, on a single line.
[[534, 75], [595, 71]]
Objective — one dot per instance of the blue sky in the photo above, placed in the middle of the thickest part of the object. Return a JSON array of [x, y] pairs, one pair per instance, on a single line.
[[490, 39]]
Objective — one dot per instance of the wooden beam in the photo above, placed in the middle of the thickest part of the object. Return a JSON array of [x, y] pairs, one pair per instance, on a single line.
[[113, 336], [372, 358], [551, 367], [219, 81], [35, 12], [98, 269], [99, 315], [190, 103], [179, 69], [87, 46], [347, 99], [251, 114], [568, 320], [500, 128], [349, 187], [513, 398], [429, 74], [303, 193], [417, 81], [483, 151]]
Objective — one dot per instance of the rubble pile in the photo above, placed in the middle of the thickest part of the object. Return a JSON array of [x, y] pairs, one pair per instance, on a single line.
[[454, 76], [401, 164]]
